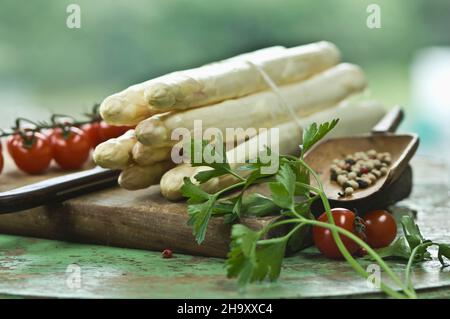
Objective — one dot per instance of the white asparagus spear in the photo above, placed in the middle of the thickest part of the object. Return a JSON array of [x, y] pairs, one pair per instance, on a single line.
[[136, 177], [260, 109], [355, 117], [145, 155], [115, 153], [139, 175], [234, 78], [129, 106]]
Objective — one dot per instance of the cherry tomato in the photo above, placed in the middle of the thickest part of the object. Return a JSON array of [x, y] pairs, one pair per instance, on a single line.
[[381, 228], [323, 238], [107, 131], [32, 156], [71, 149], [9, 142], [92, 130]]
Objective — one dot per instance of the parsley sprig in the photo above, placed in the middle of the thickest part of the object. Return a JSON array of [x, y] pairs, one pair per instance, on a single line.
[[254, 257]]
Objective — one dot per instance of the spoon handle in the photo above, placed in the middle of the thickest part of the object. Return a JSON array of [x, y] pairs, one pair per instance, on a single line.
[[390, 122]]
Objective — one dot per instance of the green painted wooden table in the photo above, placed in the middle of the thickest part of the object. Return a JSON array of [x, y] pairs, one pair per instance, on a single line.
[[31, 267]]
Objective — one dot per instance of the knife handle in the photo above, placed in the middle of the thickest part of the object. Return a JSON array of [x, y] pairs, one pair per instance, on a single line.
[[57, 189]]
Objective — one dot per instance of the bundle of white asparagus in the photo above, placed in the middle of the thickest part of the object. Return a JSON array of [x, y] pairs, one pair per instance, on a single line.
[[274, 87], [355, 117]]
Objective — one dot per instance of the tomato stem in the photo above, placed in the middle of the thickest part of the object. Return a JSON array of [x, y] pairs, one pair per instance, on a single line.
[[18, 129]]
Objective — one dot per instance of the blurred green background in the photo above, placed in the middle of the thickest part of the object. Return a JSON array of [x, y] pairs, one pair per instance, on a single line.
[[47, 67]]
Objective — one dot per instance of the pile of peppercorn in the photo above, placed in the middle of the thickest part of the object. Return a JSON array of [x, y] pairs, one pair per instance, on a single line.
[[359, 170]]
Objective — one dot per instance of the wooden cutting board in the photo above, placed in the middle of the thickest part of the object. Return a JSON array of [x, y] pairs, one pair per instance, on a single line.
[[140, 219]]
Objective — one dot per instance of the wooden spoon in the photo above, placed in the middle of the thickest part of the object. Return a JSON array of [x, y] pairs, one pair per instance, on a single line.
[[382, 139]]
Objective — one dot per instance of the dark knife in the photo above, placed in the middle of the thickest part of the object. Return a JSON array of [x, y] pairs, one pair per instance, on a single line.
[[57, 189]]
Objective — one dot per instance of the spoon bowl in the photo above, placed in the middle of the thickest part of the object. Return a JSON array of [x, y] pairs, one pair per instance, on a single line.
[[401, 147]]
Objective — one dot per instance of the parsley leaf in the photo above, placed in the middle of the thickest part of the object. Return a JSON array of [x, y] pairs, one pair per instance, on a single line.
[[444, 251], [259, 205], [269, 258], [251, 259], [199, 216], [200, 209], [412, 232], [194, 193], [241, 260], [399, 249], [313, 134], [283, 190], [206, 175]]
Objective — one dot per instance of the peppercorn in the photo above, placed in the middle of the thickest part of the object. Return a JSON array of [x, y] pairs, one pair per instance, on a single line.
[[167, 253], [372, 153], [348, 191], [372, 177], [367, 179], [362, 183], [369, 165], [364, 170], [352, 175], [353, 184], [350, 161], [341, 179], [356, 168], [376, 172]]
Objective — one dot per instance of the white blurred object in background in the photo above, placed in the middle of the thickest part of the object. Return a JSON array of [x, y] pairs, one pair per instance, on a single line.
[[431, 100]]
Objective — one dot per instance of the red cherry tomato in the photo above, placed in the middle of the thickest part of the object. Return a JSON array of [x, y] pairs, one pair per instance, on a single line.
[[107, 131], [32, 156], [92, 130], [323, 238], [70, 149], [381, 228], [9, 142]]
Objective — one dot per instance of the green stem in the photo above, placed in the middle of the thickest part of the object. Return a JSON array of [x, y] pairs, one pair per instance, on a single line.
[[294, 230], [229, 188], [38, 126], [408, 281], [230, 171], [291, 157], [311, 188], [280, 223]]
